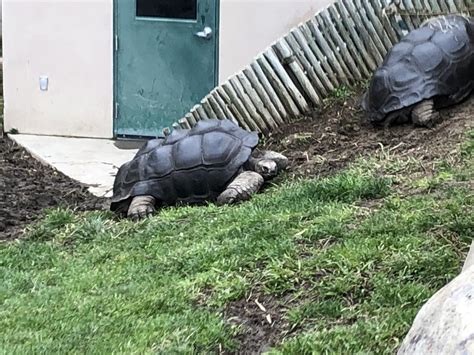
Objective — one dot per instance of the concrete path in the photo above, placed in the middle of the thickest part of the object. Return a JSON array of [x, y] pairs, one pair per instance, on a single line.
[[93, 162]]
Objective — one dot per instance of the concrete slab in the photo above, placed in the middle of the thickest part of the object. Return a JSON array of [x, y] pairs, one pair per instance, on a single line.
[[93, 162]]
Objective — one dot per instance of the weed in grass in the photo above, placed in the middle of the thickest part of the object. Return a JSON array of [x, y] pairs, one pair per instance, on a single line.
[[51, 224], [467, 147], [342, 92], [339, 95]]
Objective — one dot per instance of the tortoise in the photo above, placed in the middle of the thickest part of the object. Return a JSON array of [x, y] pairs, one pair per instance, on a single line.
[[215, 161], [430, 68]]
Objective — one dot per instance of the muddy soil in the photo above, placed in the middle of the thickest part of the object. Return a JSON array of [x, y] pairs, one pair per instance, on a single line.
[[261, 320], [27, 188], [338, 134]]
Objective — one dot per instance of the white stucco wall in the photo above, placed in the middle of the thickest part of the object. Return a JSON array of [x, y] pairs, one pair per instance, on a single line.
[[247, 27], [70, 41], [0, 18]]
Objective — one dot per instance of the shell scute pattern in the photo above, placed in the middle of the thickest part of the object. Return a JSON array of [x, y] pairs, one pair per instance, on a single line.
[[186, 153], [430, 58], [161, 155], [226, 148], [435, 61]]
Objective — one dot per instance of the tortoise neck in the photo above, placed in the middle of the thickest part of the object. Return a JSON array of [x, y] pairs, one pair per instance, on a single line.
[[251, 163]]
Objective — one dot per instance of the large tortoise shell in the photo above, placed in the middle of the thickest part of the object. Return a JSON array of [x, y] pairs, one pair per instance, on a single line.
[[189, 166], [434, 61]]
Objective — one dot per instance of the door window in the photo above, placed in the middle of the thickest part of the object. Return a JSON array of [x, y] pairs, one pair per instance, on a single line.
[[172, 9]]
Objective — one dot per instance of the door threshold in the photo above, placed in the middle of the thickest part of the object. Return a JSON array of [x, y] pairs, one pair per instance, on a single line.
[[130, 143]]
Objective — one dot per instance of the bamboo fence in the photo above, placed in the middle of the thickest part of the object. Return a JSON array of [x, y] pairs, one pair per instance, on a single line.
[[341, 45]]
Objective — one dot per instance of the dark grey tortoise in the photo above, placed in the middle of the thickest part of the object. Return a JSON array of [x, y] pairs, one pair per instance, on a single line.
[[214, 161], [430, 68]]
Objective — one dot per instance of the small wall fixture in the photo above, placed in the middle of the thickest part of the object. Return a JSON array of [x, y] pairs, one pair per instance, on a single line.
[[44, 82]]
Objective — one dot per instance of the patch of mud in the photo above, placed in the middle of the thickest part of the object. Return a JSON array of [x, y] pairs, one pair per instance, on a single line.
[[261, 322], [338, 134], [27, 187]]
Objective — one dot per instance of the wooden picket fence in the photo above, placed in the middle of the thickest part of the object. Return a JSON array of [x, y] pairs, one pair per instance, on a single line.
[[341, 45]]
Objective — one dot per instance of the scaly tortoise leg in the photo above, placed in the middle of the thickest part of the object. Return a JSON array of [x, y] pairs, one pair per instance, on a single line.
[[424, 114], [241, 188], [141, 207]]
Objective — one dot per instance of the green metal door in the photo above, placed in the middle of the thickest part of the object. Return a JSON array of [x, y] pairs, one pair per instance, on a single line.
[[165, 61]]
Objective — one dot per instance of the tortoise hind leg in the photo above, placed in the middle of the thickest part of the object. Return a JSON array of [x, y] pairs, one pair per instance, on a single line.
[[141, 207], [424, 114], [397, 117], [241, 188]]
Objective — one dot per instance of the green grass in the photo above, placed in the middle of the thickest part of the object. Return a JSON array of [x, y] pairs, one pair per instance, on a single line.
[[342, 92], [350, 258]]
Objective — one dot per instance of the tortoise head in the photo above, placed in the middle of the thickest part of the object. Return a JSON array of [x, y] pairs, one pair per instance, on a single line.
[[266, 167]]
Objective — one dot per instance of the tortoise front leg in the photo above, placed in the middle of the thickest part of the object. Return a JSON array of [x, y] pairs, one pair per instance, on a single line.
[[241, 189], [141, 207], [424, 114]]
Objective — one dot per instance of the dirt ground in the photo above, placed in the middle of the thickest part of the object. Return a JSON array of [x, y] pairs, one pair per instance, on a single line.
[[27, 187], [262, 322], [338, 133]]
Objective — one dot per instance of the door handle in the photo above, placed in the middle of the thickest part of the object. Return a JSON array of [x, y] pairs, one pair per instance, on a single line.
[[206, 33]]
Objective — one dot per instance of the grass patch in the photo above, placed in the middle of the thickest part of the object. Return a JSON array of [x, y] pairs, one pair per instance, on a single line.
[[352, 273], [344, 92]]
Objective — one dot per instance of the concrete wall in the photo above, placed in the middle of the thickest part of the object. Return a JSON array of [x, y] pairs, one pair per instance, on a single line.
[[70, 41], [247, 27]]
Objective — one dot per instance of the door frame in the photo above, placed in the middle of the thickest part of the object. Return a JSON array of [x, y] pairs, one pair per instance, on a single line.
[[116, 50]]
